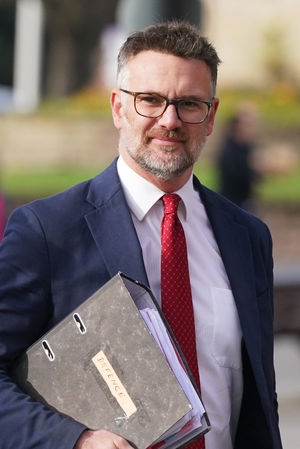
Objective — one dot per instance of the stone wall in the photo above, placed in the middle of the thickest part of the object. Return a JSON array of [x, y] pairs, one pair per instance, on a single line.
[[30, 141]]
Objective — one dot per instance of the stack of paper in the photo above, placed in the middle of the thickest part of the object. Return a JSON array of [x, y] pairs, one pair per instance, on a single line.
[[192, 420]]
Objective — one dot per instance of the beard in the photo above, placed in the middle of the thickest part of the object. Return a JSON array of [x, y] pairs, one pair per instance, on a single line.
[[166, 164]]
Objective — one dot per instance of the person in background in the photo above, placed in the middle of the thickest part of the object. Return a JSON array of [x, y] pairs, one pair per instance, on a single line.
[[59, 250], [238, 175]]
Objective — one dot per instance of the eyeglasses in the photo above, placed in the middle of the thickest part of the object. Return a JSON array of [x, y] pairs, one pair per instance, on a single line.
[[190, 110]]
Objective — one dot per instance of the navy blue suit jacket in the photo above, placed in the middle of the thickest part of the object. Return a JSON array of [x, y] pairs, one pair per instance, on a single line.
[[58, 251]]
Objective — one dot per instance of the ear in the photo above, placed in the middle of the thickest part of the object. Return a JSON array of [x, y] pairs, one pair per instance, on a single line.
[[116, 107], [212, 114]]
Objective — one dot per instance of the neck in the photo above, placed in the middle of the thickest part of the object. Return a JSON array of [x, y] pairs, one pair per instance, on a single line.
[[171, 185]]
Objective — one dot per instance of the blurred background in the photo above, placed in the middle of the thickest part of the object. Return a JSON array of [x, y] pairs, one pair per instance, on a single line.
[[57, 66]]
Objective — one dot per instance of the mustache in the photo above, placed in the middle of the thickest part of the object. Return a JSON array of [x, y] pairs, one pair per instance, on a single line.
[[164, 133]]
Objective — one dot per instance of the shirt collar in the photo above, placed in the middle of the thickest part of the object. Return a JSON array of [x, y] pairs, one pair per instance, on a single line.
[[141, 195]]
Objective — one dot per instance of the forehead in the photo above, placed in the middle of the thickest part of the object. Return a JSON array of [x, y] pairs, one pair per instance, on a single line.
[[166, 73]]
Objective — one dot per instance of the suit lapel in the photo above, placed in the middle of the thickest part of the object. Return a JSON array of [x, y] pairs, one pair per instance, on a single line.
[[112, 228], [236, 252]]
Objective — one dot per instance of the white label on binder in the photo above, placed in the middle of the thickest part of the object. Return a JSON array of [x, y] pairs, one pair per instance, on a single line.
[[116, 387]]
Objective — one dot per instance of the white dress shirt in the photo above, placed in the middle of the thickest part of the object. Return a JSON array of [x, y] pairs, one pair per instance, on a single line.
[[218, 333]]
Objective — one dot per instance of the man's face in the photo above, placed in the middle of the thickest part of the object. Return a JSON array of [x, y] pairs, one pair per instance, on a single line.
[[164, 146]]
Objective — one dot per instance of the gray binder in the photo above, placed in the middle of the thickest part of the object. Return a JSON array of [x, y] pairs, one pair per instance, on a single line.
[[102, 367]]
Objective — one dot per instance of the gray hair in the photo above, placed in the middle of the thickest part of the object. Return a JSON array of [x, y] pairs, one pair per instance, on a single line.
[[176, 38]]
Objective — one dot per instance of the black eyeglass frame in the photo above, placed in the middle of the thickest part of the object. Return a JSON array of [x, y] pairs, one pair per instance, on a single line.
[[174, 101]]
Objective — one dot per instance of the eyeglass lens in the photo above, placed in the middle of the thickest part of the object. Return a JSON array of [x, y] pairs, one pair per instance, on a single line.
[[189, 109]]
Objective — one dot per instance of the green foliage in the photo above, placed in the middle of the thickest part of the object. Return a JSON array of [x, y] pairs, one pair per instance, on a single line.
[[207, 174], [281, 188]]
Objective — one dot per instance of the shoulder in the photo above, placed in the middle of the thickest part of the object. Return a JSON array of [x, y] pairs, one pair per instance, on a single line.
[[68, 208], [55, 206], [232, 222]]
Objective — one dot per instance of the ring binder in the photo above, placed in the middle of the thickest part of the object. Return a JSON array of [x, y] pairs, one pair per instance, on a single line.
[[101, 366]]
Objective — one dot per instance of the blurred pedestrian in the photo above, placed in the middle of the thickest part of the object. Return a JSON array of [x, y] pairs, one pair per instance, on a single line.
[[237, 173]]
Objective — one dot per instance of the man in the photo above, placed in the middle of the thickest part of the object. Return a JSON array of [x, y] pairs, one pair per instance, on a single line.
[[58, 251], [238, 174]]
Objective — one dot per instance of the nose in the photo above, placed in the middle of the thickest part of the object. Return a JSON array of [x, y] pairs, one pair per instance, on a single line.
[[170, 119]]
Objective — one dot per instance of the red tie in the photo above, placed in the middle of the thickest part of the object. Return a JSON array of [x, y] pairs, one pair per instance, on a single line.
[[176, 292]]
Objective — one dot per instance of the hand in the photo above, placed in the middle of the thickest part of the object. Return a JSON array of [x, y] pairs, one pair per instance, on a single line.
[[101, 439]]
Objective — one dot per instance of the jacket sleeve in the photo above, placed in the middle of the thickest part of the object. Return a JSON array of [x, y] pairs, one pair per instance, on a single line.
[[268, 335], [25, 311]]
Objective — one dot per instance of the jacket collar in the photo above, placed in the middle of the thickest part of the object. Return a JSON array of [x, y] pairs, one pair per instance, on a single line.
[[112, 228]]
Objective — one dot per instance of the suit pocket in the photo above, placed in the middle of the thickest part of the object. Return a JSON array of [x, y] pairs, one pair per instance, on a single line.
[[226, 339]]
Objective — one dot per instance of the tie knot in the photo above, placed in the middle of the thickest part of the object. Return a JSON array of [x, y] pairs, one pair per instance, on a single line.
[[171, 201]]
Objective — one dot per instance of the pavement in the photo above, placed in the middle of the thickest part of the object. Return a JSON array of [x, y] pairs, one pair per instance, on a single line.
[[287, 350], [287, 367]]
